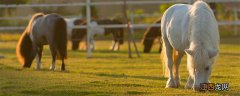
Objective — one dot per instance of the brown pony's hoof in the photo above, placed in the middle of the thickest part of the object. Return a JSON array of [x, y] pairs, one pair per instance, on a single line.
[[63, 68]]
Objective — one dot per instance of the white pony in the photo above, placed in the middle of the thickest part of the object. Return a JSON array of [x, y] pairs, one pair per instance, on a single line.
[[190, 29], [70, 25], [95, 29]]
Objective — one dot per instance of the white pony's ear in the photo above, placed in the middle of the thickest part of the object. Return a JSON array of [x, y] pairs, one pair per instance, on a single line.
[[212, 53], [188, 51]]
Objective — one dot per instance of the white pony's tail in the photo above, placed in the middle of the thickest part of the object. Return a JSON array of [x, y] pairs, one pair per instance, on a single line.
[[164, 60]]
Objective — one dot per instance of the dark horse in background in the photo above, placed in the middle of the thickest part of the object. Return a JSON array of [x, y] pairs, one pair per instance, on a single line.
[[79, 35], [42, 30], [150, 35]]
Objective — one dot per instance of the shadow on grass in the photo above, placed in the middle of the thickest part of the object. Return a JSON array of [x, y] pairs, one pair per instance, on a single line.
[[136, 93], [7, 50], [65, 93], [233, 40], [99, 51], [230, 54], [3, 67], [125, 76]]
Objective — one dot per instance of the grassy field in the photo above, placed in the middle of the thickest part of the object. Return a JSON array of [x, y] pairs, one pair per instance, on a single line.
[[110, 73]]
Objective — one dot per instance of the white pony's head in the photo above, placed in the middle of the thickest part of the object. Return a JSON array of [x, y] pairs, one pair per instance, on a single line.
[[204, 43], [200, 63]]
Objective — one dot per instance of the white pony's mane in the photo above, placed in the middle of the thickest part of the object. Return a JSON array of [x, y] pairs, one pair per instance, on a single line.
[[204, 32]]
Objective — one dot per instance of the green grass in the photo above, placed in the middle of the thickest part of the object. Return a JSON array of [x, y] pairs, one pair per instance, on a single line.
[[110, 73]]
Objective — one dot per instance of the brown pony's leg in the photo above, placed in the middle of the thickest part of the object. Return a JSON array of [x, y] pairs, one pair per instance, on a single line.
[[39, 57], [63, 65], [54, 54], [115, 40]]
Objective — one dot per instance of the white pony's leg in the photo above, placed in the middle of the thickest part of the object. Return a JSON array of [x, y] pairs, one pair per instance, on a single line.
[[189, 83], [53, 67], [116, 47], [93, 44], [177, 60], [113, 45], [169, 51]]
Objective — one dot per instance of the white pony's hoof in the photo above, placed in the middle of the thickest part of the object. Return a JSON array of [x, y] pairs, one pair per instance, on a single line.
[[178, 83], [171, 84], [188, 86], [52, 68], [38, 67]]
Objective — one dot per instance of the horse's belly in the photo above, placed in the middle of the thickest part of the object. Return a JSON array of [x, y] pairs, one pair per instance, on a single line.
[[177, 30], [38, 38], [175, 39]]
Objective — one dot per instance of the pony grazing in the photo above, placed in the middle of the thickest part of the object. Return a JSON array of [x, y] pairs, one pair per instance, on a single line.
[[71, 22], [190, 29], [79, 35], [42, 30], [150, 35]]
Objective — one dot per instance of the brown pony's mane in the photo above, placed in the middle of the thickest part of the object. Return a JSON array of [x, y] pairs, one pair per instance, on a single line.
[[24, 49], [34, 17]]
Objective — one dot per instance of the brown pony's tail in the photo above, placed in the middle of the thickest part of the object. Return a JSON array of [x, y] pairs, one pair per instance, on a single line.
[[25, 50], [60, 38]]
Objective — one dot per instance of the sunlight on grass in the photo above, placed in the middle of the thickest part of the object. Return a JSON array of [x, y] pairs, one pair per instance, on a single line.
[[109, 73]]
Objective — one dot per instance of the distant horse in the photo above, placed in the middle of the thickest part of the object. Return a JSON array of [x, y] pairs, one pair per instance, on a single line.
[[79, 35], [190, 29], [71, 22], [42, 30], [150, 35]]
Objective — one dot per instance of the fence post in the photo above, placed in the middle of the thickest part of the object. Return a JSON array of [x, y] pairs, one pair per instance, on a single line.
[[88, 10], [235, 21]]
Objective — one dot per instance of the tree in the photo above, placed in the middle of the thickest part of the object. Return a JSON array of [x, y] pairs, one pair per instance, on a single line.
[[13, 1], [94, 12], [9, 11]]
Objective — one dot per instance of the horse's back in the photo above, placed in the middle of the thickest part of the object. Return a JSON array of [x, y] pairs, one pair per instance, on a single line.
[[182, 24], [44, 27], [175, 25]]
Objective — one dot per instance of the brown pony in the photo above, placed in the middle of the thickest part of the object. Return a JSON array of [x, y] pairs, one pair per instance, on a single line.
[[42, 30], [79, 35], [151, 34]]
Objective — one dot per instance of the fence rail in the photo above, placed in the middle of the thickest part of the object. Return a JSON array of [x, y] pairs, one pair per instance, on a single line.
[[88, 13], [111, 3], [135, 26]]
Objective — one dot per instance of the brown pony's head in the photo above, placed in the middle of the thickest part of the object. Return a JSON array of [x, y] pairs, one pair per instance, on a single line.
[[25, 50], [78, 34], [150, 35]]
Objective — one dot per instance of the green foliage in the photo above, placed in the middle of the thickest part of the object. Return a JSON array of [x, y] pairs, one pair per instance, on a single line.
[[6, 12], [164, 7], [13, 1]]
